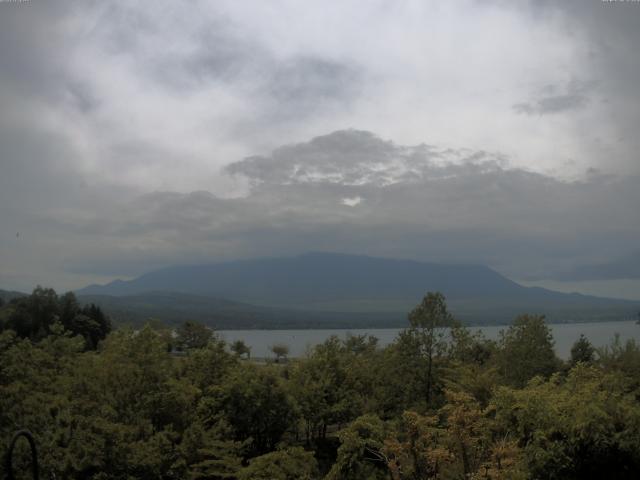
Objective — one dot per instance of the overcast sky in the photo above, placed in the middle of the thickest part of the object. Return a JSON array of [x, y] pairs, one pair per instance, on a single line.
[[136, 135]]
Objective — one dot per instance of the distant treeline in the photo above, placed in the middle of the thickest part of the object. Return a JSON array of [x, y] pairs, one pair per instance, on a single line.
[[42, 313], [437, 403]]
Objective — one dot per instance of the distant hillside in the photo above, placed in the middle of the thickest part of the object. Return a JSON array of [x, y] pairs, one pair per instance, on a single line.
[[327, 286], [8, 295], [174, 308]]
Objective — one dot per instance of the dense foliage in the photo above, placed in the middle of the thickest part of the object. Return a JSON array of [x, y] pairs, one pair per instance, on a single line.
[[37, 315], [438, 403]]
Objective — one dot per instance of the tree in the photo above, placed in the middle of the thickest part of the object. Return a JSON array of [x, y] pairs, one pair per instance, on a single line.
[[104, 322], [240, 348], [88, 328], [68, 308], [360, 452], [209, 366], [582, 426], [401, 369], [192, 335], [416, 451], [32, 316], [280, 350], [209, 453], [360, 344], [322, 389], [622, 357], [35, 315], [582, 351], [253, 400], [526, 350], [469, 437], [428, 321], [470, 363], [293, 463], [468, 348]]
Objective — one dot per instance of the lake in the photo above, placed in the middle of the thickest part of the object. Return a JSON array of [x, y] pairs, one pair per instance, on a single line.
[[298, 341]]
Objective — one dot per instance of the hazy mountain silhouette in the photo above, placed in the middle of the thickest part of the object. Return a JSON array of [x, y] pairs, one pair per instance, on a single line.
[[8, 295], [316, 277], [329, 282]]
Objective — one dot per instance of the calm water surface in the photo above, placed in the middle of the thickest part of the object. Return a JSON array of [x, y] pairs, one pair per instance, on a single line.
[[299, 341]]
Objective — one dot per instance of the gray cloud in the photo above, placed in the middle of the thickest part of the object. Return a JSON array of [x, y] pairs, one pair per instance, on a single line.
[[307, 83], [423, 202], [464, 208], [608, 34], [193, 54], [627, 267], [353, 157], [135, 137], [550, 101], [203, 48]]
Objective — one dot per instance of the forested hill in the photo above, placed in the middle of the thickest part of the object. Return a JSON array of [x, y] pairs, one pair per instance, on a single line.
[[173, 308], [7, 295], [330, 283]]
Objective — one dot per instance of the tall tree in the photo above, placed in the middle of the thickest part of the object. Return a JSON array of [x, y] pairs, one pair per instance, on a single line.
[[32, 316], [582, 351], [526, 350], [322, 389], [428, 321]]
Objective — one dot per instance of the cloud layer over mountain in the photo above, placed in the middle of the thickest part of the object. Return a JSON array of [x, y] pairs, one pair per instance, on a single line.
[[133, 137]]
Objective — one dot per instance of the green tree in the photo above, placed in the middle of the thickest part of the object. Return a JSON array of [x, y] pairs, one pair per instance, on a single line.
[[582, 426], [209, 366], [360, 344], [68, 308], [209, 453], [323, 388], [428, 321], [416, 449], [401, 373], [360, 452], [99, 332], [526, 349], [193, 335], [471, 364], [280, 350], [470, 438], [240, 348], [293, 463], [32, 316], [253, 400], [582, 351], [621, 357], [468, 348]]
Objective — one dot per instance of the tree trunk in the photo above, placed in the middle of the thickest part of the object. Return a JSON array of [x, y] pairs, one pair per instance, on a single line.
[[429, 369]]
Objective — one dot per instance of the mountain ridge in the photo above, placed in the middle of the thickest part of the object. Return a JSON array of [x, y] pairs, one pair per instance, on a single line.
[[332, 290], [341, 282], [332, 271]]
